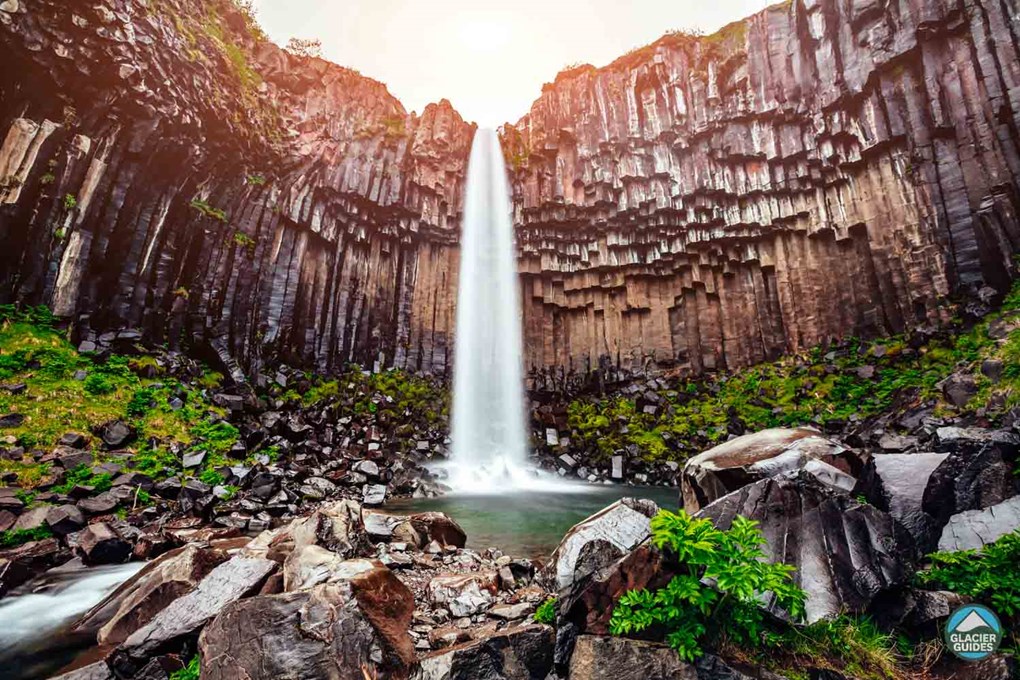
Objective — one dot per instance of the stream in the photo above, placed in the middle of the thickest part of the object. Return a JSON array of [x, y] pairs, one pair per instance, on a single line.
[[35, 619]]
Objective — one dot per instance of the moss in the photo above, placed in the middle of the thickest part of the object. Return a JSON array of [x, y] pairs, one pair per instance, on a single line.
[[15, 537], [207, 210]]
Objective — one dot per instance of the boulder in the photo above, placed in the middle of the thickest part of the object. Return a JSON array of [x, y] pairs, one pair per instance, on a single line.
[[418, 530], [150, 591], [100, 544], [974, 476], [846, 553], [21, 564], [102, 504], [614, 530], [64, 519], [464, 594], [94, 671], [744, 460], [348, 630], [232, 580], [374, 494], [337, 527], [896, 483], [975, 529], [311, 565], [524, 653], [616, 658]]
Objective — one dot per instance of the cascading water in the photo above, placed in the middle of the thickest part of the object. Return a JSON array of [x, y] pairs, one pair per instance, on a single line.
[[489, 441]]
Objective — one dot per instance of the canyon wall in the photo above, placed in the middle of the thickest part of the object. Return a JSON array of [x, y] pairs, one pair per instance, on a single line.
[[821, 169], [166, 169]]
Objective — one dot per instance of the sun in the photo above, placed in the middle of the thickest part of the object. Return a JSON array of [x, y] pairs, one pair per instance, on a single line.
[[484, 32]]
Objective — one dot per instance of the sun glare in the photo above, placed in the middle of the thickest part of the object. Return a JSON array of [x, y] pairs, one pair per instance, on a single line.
[[483, 33]]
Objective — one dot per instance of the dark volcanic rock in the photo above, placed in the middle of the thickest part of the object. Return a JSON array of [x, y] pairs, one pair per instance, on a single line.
[[615, 658], [232, 580], [346, 631], [100, 544], [520, 654], [846, 553], [896, 483], [116, 434], [741, 461], [21, 564], [974, 529]]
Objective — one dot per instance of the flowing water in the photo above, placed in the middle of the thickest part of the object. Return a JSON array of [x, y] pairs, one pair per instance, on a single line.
[[528, 523], [35, 620], [489, 440]]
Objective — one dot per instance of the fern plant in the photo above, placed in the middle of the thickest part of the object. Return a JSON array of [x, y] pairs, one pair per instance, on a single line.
[[716, 596], [990, 575]]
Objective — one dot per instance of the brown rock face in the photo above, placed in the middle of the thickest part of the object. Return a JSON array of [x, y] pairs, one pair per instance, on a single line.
[[820, 169], [163, 169]]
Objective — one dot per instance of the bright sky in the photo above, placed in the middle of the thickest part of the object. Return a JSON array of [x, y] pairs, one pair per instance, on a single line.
[[489, 59]]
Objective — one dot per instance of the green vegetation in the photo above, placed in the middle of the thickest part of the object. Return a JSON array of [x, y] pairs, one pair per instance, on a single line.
[[851, 645], [256, 180], [83, 476], [990, 575], [55, 401], [692, 613], [546, 612], [11, 537], [70, 202], [393, 392], [193, 671], [48, 179], [244, 241], [208, 211], [818, 387]]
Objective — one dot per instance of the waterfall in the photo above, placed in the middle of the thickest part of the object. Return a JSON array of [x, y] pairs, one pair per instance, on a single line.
[[489, 439]]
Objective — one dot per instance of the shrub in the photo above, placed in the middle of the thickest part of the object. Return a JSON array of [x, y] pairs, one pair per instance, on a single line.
[[211, 477], [70, 202], [97, 383], [546, 612], [141, 402], [991, 574], [691, 612]]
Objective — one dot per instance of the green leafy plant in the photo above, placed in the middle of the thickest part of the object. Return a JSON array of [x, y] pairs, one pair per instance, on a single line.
[[70, 202], [728, 611], [990, 575], [97, 383], [141, 402], [256, 180], [546, 612], [15, 537], [193, 671], [211, 477]]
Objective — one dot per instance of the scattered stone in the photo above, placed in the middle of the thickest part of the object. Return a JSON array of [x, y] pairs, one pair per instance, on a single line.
[[374, 494], [116, 433], [524, 653], [464, 594], [617, 658], [11, 421]]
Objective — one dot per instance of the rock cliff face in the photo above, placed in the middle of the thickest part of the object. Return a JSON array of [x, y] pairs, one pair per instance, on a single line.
[[823, 168], [820, 169], [167, 170]]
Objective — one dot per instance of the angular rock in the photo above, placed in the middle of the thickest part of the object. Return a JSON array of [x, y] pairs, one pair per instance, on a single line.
[[524, 653], [338, 527], [232, 580], [612, 531], [464, 594], [25, 562], [744, 460], [845, 553], [150, 591], [975, 529], [100, 544], [344, 631], [374, 494], [896, 483], [115, 434], [64, 519], [616, 658]]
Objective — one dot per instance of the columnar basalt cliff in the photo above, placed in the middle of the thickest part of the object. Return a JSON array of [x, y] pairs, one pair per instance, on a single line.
[[165, 169], [822, 169]]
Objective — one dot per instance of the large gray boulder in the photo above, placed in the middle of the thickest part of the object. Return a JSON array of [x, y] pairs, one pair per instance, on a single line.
[[464, 594], [615, 658], [150, 591], [337, 527], [604, 537], [236, 578], [524, 653], [896, 483], [349, 630], [975, 529], [846, 553], [744, 460], [975, 476]]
